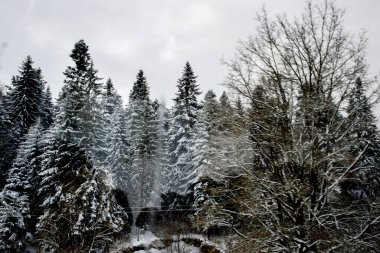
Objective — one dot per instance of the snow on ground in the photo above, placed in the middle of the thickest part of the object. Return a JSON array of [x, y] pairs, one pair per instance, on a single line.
[[148, 239], [183, 248], [145, 238]]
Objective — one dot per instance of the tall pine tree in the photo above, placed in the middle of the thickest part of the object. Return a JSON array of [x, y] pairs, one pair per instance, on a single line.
[[184, 117], [78, 104], [25, 96], [115, 146], [18, 195], [23, 105], [363, 140], [80, 211], [143, 141]]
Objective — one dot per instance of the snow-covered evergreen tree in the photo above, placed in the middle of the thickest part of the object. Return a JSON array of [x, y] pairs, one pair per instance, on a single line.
[[75, 192], [210, 109], [184, 117], [46, 111], [8, 140], [17, 198], [25, 96], [226, 114], [161, 157], [115, 145], [218, 152], [143, 141], [80, 212], [20, 110], [78, 103], [363, 140]]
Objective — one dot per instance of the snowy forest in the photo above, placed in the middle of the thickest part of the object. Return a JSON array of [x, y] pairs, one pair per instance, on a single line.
[[287, 159]]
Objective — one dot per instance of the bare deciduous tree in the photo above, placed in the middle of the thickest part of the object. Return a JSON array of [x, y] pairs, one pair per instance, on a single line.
[[297, 77]]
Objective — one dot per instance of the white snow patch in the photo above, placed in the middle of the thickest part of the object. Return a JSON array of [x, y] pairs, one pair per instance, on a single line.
[[146, 238]]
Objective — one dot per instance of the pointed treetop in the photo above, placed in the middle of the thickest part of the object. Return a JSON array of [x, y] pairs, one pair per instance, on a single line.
[[82, 76], [358, 102], [210, 94], [28, 61], [27, 67], [110, 90], [224, 101], [140, 89], [80, 55], [25, 95], [48, 91], [187, 87]]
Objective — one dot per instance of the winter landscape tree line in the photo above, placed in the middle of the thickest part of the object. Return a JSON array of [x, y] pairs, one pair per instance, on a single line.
[[289, 161]]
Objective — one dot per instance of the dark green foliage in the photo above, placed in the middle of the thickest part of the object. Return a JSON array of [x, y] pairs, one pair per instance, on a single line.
[[80, 211], [8, 140], [181, 134], [186, 100], [78, 111], [46, 112], [123, 201], [140, 90], [25, 96], [210, 110], [18, 195], [364, 146], [142, 137], [20, 109]]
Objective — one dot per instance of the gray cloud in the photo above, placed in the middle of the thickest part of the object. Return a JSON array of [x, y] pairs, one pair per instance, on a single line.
[[156, 36]]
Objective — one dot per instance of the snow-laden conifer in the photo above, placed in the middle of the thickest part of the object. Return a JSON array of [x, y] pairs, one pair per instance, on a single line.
[[143, 141], [183, 119], [18, 196]]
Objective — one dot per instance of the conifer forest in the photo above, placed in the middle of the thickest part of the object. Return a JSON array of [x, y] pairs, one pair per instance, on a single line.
[[287, 159]]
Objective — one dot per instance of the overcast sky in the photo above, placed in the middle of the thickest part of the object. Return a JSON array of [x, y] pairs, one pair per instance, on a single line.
[[156, 36]]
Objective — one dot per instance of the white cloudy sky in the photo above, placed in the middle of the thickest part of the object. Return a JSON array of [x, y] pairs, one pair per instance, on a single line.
[[156, 36]]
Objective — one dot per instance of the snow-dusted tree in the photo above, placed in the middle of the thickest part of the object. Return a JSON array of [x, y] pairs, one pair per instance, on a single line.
[[296, 66], [363, 136], [143, 141], [25, 96], [218, 154], [161, 127], [46, 111], [8, 140], [358, 189], [22, 107], [17, 198], [80, 211], [115, 145], [78, 103], [210, 108], [184, 117], [111, 100]]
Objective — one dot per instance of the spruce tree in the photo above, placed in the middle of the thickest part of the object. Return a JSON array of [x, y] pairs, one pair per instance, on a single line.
[[210, 109], [226, 114], [115, 145], [143, 141], [25, 96], [8, 140], [78, 103], [46, 112], [184, 117], [21, 108], [76, 194], [80, 211], [18, 195], [363, 139], [161, 154]]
